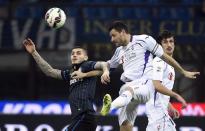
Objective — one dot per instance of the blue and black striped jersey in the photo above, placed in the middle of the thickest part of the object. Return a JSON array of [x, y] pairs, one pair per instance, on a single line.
[[81, 91]]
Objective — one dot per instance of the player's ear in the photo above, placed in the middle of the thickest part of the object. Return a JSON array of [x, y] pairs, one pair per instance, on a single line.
[[86, 58]]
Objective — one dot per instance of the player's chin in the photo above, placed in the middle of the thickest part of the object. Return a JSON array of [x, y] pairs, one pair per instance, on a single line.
[[170, 52], [74, 62]]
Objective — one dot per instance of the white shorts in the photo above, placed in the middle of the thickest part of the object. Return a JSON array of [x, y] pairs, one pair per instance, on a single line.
[[141, 90], [164, 124]]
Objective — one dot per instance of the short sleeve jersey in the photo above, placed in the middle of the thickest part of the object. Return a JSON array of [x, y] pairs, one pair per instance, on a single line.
[[157, 106], [136, 58]]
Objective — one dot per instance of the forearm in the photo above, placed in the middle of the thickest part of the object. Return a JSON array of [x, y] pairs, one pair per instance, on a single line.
[[102, 66], [172, 62], [160, 88], [93, 73], [170, 106], [45, 67]]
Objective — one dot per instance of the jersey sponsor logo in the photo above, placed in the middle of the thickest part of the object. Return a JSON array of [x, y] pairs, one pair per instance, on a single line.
[[129, 57], [72, 81], [159, 69]]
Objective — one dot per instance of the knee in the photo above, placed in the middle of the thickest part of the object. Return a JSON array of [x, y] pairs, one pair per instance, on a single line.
[[130, 90], [126, 123]]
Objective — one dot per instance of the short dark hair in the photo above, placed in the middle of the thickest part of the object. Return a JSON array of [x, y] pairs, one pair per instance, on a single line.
[[79, 47], [164, 35], [119, 26]]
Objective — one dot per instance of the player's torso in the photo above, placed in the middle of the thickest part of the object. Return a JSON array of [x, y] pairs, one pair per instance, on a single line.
[[81, 93], [169, 76], [157, 106], [136, 60]]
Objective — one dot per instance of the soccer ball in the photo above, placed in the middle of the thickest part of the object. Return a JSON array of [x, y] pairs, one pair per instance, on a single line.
[[55, 18]]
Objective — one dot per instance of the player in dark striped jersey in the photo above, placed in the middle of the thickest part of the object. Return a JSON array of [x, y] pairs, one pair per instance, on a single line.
[[81, 89]]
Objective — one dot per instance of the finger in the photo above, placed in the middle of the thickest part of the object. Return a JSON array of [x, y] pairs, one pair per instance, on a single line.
[[103, 81], [30, 41], [25, 42], [73, 74], [176, 114], [107, 78], [184, 105], [193, 77], [197, 73]]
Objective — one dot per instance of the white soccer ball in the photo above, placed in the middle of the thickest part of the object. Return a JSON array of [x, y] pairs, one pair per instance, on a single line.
[[55, 17]]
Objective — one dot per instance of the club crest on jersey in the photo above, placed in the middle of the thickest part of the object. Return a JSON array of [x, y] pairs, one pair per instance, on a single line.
[[170, 76]]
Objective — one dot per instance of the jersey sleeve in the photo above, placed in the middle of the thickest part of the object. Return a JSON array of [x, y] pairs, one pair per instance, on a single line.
[[158, 69], [114, 61], [88, 66], [153, 46], [65, 75]]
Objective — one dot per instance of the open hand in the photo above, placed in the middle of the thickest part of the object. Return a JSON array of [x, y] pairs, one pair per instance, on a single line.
[[190, 74], [29, 45]]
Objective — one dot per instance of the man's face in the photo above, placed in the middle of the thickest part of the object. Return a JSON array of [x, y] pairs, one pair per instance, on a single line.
[[168, 45], [78, 55], [117, 37]]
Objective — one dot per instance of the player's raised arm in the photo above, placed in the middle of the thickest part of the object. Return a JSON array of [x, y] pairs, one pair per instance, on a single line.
[[177, 66], [44, 66], [157, 50]]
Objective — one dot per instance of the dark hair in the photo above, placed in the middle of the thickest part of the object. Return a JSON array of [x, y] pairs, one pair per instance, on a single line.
[[79, 47], [119, 26], [164, 35]]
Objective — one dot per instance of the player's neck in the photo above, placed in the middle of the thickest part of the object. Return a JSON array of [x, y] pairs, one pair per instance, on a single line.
[[127, 39], [170, 55]]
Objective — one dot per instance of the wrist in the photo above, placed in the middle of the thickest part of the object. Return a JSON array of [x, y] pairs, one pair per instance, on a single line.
[[33, 52], [85, 74]]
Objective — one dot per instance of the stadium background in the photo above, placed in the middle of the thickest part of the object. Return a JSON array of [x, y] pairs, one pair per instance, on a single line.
[[24, 88]]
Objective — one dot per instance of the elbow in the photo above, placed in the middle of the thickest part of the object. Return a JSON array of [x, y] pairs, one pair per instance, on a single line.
[[156, 85], [48, 73]]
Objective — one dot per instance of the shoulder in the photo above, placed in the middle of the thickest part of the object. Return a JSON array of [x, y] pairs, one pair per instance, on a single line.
[[141, 37], [158, 61], [88, 63], [144, 39], [117, 51]]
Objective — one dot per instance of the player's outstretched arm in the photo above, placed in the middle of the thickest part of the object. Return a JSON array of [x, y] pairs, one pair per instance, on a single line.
[[161, 89], [44, 66], [176, 65], [79, 74]]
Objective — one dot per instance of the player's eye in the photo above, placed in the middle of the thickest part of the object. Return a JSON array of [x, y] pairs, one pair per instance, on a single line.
[[78, 53]]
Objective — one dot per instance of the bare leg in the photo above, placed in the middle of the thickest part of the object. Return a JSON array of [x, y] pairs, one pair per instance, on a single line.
[[126, 126]]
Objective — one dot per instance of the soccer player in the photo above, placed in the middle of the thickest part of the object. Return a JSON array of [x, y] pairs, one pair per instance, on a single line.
[[81, 89], [163, 77], [135, 53]]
